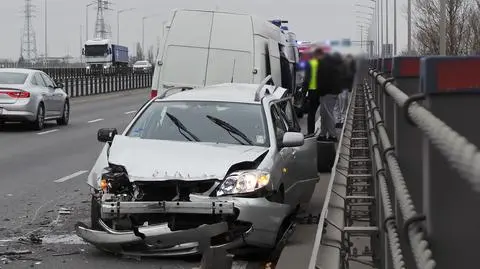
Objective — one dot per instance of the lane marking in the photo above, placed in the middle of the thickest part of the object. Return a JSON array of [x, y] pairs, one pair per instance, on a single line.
[[96, 120], [76, 174], [48, 132], [130, 112]]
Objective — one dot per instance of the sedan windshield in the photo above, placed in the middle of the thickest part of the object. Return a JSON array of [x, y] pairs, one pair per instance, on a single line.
[[12, 78], [202, 121]]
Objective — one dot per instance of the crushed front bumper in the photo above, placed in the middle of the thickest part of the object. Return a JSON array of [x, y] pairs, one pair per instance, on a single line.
[[159, 240]]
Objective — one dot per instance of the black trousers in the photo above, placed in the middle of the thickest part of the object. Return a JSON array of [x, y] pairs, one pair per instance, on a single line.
[[313, 102]]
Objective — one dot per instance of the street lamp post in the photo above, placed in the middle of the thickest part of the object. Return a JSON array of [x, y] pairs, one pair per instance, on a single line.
[[409, 27], [443, 27], [46, 50], [118, 21], [143, 30], [394, 27], [86, 20]]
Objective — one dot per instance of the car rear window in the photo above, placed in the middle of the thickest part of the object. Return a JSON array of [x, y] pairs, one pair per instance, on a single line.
[[12, 78]]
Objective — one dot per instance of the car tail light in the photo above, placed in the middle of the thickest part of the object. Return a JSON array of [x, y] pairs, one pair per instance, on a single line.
[[153, 93], [16, 94]]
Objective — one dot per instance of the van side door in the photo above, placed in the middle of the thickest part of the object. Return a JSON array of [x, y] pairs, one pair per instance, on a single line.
[[274, 58]]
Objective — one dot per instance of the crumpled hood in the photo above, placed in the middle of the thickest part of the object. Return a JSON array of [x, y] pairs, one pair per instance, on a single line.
[[147, 160]]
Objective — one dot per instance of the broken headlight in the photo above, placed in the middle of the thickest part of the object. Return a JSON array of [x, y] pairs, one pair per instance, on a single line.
[[243, 182], [115, 180]]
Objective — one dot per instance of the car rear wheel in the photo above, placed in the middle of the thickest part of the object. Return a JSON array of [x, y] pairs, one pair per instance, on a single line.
[[39, 122], [65, 115]]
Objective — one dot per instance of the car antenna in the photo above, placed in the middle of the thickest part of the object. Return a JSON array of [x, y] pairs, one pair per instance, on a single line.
[[233, 70]]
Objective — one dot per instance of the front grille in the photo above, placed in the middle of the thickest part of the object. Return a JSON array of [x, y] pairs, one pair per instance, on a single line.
[[173, 190]]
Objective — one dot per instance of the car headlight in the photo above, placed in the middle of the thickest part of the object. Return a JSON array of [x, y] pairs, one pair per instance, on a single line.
[[244, 182]]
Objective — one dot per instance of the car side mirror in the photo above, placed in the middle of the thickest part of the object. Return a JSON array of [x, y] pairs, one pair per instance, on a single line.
[[293, 139], [59, 85], [106, 135]]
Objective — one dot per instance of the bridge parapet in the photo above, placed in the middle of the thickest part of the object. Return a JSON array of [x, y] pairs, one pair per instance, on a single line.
[[425, 166]]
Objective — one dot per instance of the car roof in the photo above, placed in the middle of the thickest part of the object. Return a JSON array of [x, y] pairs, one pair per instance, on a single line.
[[19, 70], [226, 92]]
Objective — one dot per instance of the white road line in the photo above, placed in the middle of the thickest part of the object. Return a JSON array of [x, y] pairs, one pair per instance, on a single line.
[[130, 112], [47, 132], [96, 120], [76, 174]]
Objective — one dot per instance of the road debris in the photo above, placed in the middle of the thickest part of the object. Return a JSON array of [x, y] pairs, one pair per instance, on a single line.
[[64, 211], [66, 254], [15, 252]]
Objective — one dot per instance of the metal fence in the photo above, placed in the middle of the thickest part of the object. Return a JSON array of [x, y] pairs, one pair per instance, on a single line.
[[82, 86], [78, 83], [411, 218]]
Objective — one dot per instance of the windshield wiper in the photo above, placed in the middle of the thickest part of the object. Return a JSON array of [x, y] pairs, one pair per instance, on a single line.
[[182, 127], [231, 130]]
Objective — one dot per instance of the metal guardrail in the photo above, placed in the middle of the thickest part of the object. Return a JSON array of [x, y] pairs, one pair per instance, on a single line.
[[393, 199], [76, 87]]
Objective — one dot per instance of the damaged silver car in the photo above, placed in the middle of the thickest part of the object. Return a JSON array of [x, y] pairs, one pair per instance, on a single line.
[[224, 165]]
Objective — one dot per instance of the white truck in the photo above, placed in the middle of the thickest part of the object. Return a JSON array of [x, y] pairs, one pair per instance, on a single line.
[[101, 56]]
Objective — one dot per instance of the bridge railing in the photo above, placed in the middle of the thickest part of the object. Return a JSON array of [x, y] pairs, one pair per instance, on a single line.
[[425, 166]]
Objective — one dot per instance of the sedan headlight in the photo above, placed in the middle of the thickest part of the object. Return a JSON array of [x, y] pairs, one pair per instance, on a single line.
[[244, 182]]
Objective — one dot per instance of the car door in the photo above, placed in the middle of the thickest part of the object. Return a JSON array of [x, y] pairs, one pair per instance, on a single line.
[[303, 164], [283, 157], [44, 91], [56, 96]]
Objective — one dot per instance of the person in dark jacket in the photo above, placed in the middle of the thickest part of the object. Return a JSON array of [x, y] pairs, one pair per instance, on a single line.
[[322, 81], [347, 79]]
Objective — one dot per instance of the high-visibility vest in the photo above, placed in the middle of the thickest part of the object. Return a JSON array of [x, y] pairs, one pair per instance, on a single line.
[[312, 84]]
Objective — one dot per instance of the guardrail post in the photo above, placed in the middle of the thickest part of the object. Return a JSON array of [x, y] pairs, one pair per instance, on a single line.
[[407, 140], [452, 86]]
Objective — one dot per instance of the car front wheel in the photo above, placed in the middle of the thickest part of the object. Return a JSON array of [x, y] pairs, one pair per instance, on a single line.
[[65, 115]]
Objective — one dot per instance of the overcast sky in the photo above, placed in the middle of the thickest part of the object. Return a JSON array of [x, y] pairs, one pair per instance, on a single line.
[[309, 19]]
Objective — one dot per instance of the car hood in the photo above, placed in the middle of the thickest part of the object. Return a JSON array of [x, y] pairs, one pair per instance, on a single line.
[[151, 160]]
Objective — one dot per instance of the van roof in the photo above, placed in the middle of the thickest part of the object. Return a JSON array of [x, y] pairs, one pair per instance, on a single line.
[[261, 26], [226, 92]]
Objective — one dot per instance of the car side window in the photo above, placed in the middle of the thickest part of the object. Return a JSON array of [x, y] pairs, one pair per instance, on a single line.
[[288, 112], [37, 80], [278, 123], [48, 81]]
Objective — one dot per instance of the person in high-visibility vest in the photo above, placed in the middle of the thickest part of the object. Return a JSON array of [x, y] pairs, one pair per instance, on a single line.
[[311, 84], [322, 81]]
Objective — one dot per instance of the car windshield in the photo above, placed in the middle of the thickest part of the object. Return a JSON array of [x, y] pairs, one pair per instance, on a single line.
[[12, 78], [202, 121], [141, 63]]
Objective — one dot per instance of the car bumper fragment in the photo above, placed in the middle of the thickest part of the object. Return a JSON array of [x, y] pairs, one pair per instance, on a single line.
[[114, 209]]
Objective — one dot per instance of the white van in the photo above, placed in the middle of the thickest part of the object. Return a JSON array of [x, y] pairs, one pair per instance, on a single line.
[[204, 47]]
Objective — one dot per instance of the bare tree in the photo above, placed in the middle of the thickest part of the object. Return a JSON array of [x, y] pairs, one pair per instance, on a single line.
[[426, 22], [150, 55], [140, 53]]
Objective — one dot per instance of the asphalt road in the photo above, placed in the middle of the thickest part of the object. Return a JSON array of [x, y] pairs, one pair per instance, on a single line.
[[43, 191]]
